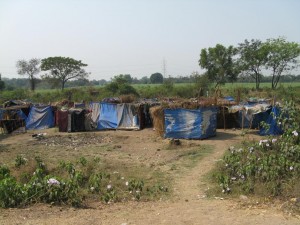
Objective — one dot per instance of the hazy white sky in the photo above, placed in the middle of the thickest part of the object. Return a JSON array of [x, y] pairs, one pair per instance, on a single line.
[[135, 36]]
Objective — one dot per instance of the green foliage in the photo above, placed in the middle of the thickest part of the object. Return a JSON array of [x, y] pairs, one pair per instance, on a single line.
[[63, 69], [268, 167], [156, 78], [219, 63], [20, 161], [120, 86], [282, 57], [30, 69], [72, 184], [135, 187], [2, 84], [202, 83], [253, 57]]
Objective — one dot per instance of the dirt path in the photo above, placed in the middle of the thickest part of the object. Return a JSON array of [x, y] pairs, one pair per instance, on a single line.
[[187, 207]]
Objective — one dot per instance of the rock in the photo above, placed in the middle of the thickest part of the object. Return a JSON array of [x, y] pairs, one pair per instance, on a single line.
[[244, 198], [296, 200]]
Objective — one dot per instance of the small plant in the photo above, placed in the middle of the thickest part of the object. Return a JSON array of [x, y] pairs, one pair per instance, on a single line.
[[269, 166], [135, 187], [83, 161], [20, 161]]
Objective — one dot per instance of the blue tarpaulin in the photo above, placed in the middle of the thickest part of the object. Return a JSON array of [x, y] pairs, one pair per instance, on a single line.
[[229, 98], [115, 116], [108, 117], [190, 124], [253, 114], [274, 128], [40, 118]]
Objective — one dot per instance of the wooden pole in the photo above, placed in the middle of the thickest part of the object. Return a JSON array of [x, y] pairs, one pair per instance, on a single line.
[[224, 117], [243, 114]]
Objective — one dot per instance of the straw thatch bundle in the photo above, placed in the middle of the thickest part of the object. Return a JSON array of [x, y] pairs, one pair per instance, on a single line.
[[127, 98], [157, 114]]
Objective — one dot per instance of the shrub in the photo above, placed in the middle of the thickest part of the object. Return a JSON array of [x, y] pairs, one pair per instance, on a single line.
[[268, 167]]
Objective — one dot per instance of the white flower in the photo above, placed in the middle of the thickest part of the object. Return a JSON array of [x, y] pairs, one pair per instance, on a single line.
[[295, 133], [122, 178], [291, 167], [243, 177], [126, 183], [227, 189], [92, 188], [267, 145], [53, 182], [233, 178], [263, 141], [109, 186], [274, 140]]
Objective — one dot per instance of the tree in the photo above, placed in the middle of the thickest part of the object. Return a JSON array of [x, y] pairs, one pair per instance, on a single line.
[[120, 85], [218, 62], [30, 68], [156, 78], [144, 80], [201, 83], [2, 84], [282, 57], [122, 79], [63, 69], [253, 57]]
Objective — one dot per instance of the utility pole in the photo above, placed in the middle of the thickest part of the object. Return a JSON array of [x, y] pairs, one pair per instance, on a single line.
[[164, 68]]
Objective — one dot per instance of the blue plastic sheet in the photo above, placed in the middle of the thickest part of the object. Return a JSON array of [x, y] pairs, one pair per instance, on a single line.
[[229, 98], [274, 127], [127, 117], [114, 116], [40, 118], [108, 118], [190, 124]]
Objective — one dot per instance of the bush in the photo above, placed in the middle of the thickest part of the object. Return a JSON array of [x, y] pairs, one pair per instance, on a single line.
[[72, 183], [270, 167]]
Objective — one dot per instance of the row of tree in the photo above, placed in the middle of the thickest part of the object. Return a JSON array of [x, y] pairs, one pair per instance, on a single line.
[[274, 57], [247, 62], [59, 70]]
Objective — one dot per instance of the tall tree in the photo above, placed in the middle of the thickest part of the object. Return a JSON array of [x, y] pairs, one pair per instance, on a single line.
[[156, 78], [64, 69], [253, 58], [219, 63], [2, 84], [282, 57], [30, 68]]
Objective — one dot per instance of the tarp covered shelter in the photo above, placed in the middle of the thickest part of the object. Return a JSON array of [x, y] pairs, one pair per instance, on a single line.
[[190, 123], [40, 117], [273, 127], [114, 116], [250, 115]]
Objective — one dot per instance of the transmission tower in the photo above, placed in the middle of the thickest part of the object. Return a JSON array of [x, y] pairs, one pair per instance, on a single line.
[[164, 67]]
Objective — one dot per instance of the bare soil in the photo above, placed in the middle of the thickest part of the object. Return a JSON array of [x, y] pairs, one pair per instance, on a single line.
[[188, 203]]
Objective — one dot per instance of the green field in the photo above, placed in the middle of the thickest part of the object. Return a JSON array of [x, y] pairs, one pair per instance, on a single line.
[[181, 90]]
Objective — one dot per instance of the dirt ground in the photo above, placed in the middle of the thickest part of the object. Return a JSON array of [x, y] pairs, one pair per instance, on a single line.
[[188, 204]]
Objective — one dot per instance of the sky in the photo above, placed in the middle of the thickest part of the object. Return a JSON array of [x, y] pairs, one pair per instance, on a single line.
[[137, 37]]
